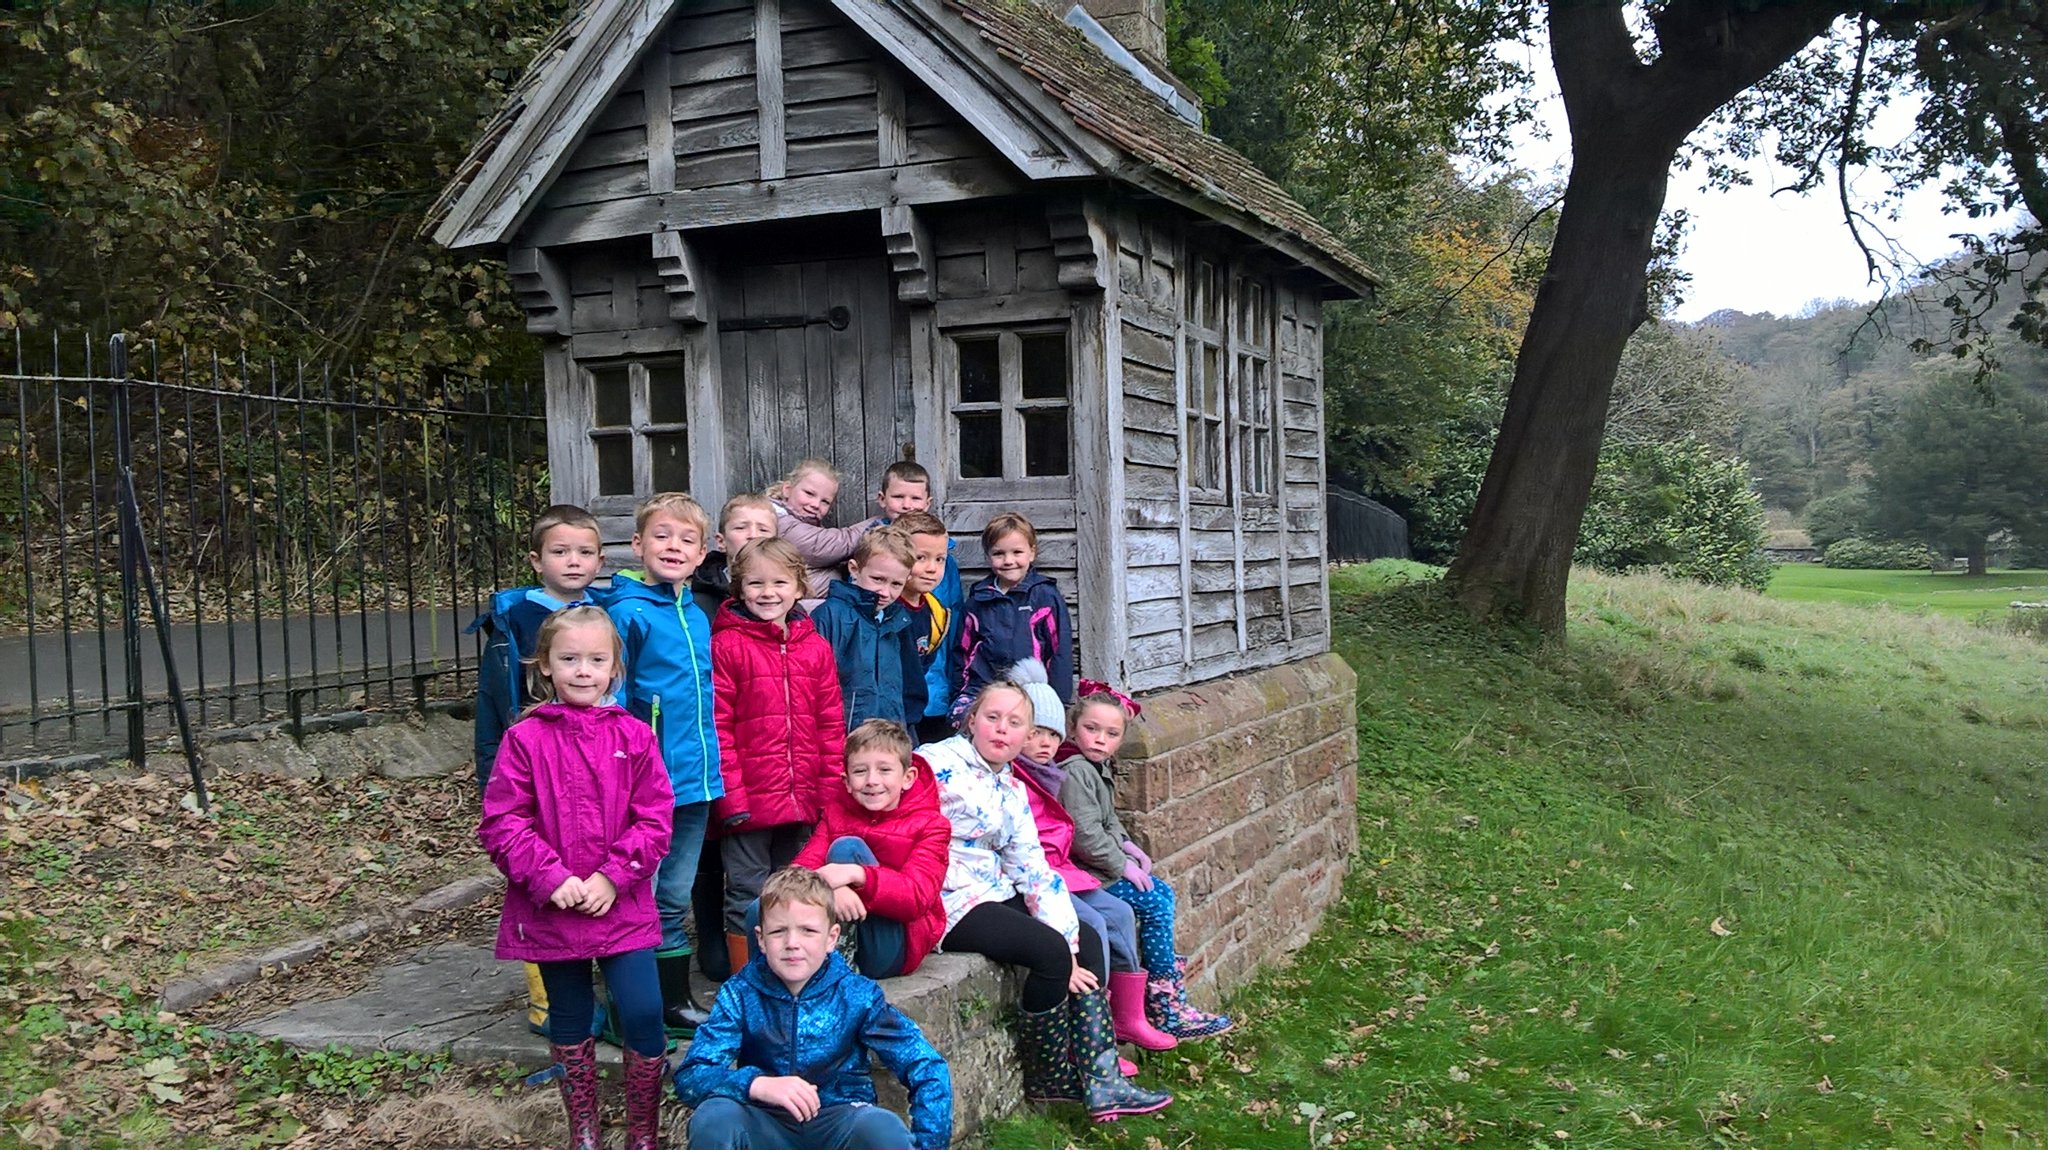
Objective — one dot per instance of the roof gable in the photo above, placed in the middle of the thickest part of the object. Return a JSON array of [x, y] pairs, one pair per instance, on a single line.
[[1043, 97]]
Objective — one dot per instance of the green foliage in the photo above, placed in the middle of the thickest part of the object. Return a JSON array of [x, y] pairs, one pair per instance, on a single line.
[[1876, 555], [1679, 507], [1966, 458], [1838, 516], [258, 181], [1672, 884]]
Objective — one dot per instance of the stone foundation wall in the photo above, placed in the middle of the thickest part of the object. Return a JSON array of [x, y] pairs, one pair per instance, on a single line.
[[1245, 793]]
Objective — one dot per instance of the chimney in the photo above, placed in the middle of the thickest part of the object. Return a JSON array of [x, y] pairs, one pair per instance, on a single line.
[[1139, 25]]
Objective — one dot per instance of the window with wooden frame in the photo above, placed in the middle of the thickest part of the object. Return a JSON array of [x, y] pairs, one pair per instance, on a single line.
[[639, 427], [1011, 402], [1252, 356], [1203, 452]]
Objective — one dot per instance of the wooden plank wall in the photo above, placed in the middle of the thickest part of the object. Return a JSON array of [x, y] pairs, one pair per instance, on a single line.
[[729, 123], [995, 268], [1213, 583]]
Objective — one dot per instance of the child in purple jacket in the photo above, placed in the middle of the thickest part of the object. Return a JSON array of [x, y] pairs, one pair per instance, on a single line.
[[578, 815]]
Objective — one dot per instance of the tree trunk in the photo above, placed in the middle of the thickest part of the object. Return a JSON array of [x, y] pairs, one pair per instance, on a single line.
[[1976, 552], [1628, 117], [1516, 557]]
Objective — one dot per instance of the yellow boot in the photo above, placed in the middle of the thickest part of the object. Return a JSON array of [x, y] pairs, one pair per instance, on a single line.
[[536, 1001]]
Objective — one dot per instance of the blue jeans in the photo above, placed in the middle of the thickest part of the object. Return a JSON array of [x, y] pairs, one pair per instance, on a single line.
[[635, 993], [1113, 919], [722, 1124], [677, 875], [881, 945]]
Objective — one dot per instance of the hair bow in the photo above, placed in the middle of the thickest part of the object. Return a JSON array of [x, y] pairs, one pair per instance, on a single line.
[[1097, 687]]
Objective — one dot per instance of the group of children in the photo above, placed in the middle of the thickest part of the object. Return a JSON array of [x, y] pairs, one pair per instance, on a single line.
[[868, 745]]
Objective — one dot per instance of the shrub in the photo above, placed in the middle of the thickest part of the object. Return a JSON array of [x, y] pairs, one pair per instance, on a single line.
[[1839, 515], [1681, 507], [1877, 555]]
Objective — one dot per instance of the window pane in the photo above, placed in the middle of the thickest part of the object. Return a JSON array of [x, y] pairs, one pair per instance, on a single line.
[[1212, 380], [1045, 442], [615, 465], [981, 445], [613, 391], [671, 453], [1045, 365], [1213, 454], [981, 370], [668, 395]]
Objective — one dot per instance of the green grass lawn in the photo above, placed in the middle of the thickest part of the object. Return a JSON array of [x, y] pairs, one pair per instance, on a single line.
[[1721, 871], [1949, 593]]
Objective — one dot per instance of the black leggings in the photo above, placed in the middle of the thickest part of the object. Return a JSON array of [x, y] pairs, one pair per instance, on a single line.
[[1006, 932]]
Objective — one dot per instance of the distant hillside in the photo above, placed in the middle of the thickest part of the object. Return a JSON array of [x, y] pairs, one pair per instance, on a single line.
[[1816, 390]]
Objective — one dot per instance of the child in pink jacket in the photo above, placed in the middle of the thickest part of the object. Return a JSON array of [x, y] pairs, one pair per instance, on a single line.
[[802, 501], [578, 815]]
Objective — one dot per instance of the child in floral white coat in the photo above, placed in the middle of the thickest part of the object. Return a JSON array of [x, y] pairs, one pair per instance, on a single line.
[[1003, 900]]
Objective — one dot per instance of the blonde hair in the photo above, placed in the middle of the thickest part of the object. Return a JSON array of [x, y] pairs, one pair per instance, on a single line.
[[987, 689], [540, 688], [919, 523], [780, 488], [677, 504], [1009, 523], [880, 735], [892, 541], [744, 501], [777, 552], [797, 884], [561, 515]]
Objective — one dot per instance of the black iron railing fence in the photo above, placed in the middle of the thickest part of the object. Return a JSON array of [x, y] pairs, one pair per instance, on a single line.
[[321, 540], [1363, 529]]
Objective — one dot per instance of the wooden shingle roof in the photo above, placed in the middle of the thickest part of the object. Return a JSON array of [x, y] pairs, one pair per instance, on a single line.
[[1134, 136]]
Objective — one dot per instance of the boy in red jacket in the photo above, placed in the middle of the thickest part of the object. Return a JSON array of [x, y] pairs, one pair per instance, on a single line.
[[883, 844]]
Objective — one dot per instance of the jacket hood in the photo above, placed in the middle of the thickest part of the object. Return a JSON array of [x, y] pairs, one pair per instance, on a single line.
[[732, 616], [988, 589], [635, 585], [1047, 775], [568, 715], [922, 795], [764, 981], [870, 604]]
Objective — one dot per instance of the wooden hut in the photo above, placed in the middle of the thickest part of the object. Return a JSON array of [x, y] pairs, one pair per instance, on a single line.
[[985, 234]]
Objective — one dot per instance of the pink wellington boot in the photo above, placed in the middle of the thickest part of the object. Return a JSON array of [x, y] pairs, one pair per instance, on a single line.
[[1127, 1010]]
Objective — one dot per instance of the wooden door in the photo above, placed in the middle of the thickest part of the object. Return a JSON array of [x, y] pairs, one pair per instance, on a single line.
[[807, 351]]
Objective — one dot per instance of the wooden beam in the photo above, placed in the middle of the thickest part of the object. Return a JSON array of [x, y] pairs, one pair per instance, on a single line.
[[677, 263], [892, 130], [661, 125], [910, 252], [768, 87], [541, 289], [941, 181], [1080, 241]]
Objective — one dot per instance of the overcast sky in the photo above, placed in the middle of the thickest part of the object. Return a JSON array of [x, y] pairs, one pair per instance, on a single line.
[[1754, 251]]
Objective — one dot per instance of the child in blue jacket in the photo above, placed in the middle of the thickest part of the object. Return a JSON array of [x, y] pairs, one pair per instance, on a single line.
[[863, 618], [667, 640], [566, 554], [784, 1058], [1015, 613]]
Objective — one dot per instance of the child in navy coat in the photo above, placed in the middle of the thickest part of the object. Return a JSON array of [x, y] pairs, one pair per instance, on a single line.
[[1015, 613]]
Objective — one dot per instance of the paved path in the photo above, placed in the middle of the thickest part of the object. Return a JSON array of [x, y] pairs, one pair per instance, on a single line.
[[216, 655], [452, 999]]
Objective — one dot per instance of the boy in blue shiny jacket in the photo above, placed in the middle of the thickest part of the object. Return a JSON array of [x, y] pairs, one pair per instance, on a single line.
[[783, 1062]]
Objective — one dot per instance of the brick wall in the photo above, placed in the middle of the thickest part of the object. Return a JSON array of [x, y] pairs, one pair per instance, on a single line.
[[1245, 792]]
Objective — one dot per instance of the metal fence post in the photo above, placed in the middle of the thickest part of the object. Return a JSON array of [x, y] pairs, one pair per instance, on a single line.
[[131, 611]]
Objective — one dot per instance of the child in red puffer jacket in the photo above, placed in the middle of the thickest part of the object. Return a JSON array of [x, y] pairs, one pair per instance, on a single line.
[[883, 845], [781, 733]]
